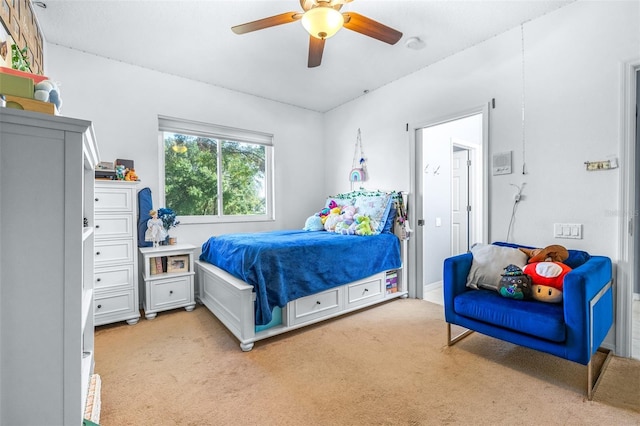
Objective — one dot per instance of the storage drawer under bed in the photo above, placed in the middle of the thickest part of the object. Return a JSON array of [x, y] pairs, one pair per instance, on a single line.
[[317, 305]]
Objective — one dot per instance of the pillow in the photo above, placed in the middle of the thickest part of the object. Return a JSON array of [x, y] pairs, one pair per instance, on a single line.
[[388, 225], [145, 204], [576, 258], [340, 200], [376, 207], [489, 262]]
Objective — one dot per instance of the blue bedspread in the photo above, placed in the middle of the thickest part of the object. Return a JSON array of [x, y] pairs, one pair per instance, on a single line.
[[285, 265]]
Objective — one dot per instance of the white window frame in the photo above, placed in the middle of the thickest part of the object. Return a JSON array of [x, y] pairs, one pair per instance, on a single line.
[[189, 127]]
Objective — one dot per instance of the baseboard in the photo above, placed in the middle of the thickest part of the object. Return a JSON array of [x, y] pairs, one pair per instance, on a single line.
[[432, 286]]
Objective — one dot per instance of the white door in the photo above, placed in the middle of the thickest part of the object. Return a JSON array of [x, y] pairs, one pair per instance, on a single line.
[[460, 201]]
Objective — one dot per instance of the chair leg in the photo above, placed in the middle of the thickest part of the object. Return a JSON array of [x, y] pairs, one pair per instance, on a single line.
[[457, 338], [591, 385]]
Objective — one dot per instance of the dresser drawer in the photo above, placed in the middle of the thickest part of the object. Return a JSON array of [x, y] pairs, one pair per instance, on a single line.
[[114, 199], [114, 226], [109, 305], [365, 292], [169, 293], [113, 252], [317, 305], [110, 278]]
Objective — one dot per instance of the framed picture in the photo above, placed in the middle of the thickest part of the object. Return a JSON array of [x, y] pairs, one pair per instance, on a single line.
[[178, 263]]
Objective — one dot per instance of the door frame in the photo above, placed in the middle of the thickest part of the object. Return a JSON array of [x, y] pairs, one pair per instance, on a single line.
[[415, 196], [476, 178], [627, 223]]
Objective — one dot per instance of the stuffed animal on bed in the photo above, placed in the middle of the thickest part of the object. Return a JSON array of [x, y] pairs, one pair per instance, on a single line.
[[313, 223], [514, 284], [552, 253], [348, 213], [363, 225], [332, 219], [547, 278]]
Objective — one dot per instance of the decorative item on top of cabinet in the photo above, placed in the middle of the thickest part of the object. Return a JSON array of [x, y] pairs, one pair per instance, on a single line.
[[116, 266]]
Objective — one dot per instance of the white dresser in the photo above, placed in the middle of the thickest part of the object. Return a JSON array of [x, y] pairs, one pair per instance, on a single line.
[[116, 264], [46, 267]]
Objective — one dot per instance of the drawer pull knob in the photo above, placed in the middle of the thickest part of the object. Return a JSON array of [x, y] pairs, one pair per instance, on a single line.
[[97, 199], [97, 226], [317, 302], [97, 253], [99, 279], [99, 306], [170, 291]]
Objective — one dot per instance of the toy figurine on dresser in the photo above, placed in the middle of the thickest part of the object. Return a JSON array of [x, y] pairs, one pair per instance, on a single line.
[[155, 229]]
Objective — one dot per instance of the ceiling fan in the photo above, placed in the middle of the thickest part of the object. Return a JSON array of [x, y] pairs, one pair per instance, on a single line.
[[322, 19]]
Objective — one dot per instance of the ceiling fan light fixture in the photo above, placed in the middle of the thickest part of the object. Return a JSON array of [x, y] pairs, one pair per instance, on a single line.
[[322, 21]]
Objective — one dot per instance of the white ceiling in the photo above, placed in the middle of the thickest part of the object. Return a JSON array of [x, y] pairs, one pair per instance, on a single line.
[[193, 39]]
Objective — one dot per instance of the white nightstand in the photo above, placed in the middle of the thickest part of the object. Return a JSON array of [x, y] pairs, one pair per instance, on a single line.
[[167, 273]]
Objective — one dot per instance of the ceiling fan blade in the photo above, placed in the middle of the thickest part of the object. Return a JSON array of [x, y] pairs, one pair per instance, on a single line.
[[316, 47], [272, 21], [367, 26]]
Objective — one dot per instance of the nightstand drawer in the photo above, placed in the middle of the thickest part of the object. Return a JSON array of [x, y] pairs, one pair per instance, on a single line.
[[110, 278], [116, 199], [113, 304], [171, 292], [365, 292], [317, 305], [113, 252], [114, 226]]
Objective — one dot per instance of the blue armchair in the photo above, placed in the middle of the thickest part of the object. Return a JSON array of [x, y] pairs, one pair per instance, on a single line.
[[573, 329]]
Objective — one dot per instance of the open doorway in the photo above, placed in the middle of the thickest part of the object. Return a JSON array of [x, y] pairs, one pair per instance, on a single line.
[[450, 195], [628, 266]]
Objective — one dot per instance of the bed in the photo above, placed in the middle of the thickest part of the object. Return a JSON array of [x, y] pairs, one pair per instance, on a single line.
[[267, 283]]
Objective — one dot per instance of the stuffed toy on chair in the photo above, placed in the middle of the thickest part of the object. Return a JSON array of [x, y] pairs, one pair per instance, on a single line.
[[515, 284], [547, 278], [552, 253]]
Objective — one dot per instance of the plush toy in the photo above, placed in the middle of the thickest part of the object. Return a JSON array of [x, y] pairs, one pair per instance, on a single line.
[[553, 253], [514, 284], [344, 228], [332, 219], [131, 175], [325, 212], [547, 278], [363, 225], [47, 91], [347, 214], [313, 223]]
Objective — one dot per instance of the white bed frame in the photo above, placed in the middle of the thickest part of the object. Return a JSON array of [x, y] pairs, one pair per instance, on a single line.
[[232, 300]]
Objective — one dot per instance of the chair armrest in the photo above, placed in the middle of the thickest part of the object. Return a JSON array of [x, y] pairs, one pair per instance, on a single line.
[[580, 288], [454, 282]]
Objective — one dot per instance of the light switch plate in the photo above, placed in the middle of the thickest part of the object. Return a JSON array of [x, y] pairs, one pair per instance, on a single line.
[[567, 230]]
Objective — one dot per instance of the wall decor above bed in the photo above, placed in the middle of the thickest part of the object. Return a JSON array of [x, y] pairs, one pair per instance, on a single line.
[[359, 167]]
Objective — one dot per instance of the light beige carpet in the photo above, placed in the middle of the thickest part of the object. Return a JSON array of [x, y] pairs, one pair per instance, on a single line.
[[388, 365]]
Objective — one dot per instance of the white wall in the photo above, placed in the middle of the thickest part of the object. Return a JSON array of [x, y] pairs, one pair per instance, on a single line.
[[572, 89], [124, 102]]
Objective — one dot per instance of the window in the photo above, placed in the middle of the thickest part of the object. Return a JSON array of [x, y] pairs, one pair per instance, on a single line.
[[214, 173]]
